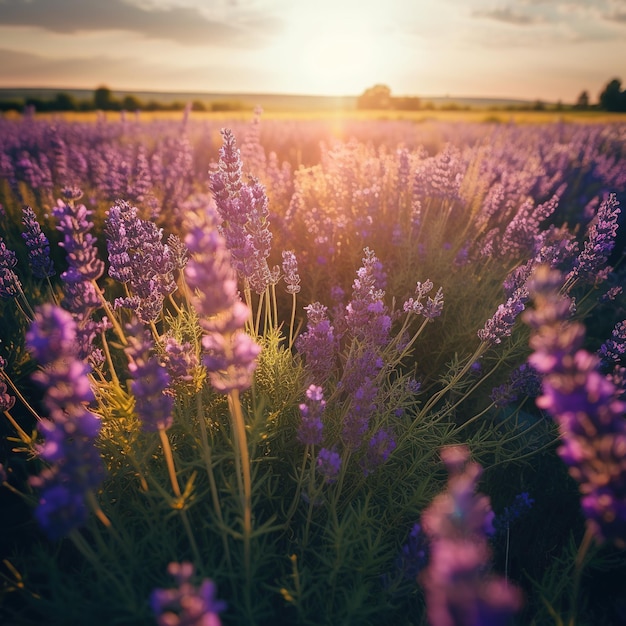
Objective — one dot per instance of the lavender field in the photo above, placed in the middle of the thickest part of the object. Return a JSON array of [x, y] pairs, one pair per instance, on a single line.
[[278, 372]]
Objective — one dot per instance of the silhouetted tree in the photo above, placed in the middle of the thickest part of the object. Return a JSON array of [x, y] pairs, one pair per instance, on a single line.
[[103, 99], [131, 103], [64, 102], [376, 97], [582, 102], [612, 98]]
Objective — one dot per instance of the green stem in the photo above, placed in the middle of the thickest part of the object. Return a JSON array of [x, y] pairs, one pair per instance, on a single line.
[[579, 566], [169, 460], [20, 431], [455, 379], [110, 314], [293, 319], [208, 462], [296, 499], [241, 452], [18, 394]]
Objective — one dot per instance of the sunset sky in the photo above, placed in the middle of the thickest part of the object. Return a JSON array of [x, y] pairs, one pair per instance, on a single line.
[[547, 49]]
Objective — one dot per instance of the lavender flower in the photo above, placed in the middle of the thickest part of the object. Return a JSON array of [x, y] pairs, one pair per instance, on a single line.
[[524, 381], [501, 323], [356, 420], [38, 246], [600, 241], [180, 360], [290, 271], [612, 350], [243, 208], [230, 353], [414, 554], [10, 285], [138, 257], [6, 400], [75, 467], [311, 426], [585, 405], [319, 343], [150, 381], [186, 605], [521, 505], [433, 306], [79, 244], [459, 589], [379, 447], [328, 464], [366, 315]]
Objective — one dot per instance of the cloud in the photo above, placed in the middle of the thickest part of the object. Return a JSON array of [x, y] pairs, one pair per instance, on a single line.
[[616, 16], [509, 16], [128, 73], [185, 25]]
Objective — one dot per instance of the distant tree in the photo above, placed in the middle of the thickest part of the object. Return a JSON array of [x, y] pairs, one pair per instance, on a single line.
[[131, 103], [582, 102], [539, 105], [612, 98], [198, 105], [103, 99], [376, 97], [64, 102]]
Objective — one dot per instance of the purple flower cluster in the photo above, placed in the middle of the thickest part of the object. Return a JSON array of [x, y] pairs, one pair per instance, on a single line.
[[459, 589], [433, 306], [612, 351], [328, 464], [150, 381], [290, 271], [319, 343], [585, 405], [186, 604], [80, 295], [80, 245], [37, 244], [524, 382], [501, 323], [311, 410], [357, 419], [139, 259], [521, 505], [244, 210], [414, 554], [230, 353], [180, 360], [378, 450], [74, 465], [6, 400], [10, 285], [366, 315], [600, 241]]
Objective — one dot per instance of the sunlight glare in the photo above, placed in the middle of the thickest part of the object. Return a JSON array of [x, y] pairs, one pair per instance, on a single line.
[[332, 51]]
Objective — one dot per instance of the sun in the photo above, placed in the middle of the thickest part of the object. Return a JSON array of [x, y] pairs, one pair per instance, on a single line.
[[331, 50]]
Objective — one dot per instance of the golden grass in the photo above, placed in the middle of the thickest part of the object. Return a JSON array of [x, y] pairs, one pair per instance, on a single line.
[[476, 116]]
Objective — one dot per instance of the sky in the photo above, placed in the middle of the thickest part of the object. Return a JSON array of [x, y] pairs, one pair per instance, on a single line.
[[532, 49]]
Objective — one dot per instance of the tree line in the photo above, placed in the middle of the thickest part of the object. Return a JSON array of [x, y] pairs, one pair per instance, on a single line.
[[104, 100], [612, 98]]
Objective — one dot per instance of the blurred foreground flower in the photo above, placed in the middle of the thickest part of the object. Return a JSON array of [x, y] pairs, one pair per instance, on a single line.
[[459, 589], [585, 405], [74, 465], [186, 605]]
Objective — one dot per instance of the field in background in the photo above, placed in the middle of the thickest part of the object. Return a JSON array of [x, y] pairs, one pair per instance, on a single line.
[[480, 116]]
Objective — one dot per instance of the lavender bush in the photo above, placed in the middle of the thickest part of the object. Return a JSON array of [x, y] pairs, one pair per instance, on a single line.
[[239, 358]]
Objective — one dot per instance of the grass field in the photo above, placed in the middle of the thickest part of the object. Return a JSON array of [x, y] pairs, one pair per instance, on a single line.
[[476, 116]]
